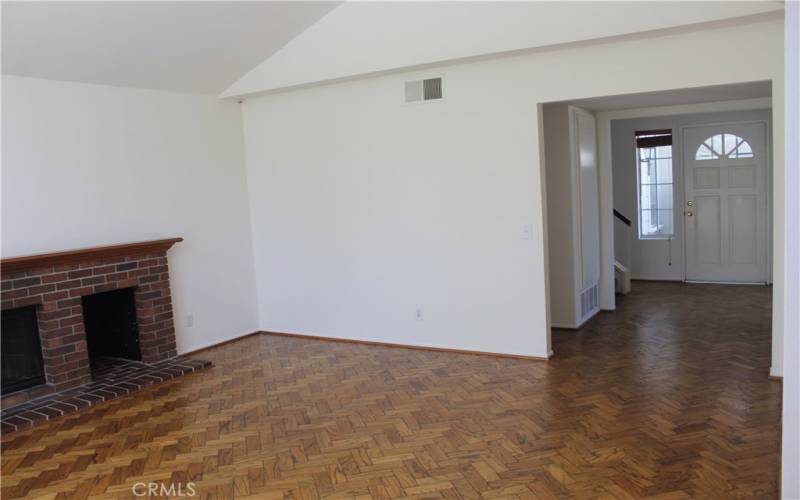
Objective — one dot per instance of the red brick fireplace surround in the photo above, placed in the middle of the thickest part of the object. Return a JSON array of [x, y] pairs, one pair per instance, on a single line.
[[55, 283]]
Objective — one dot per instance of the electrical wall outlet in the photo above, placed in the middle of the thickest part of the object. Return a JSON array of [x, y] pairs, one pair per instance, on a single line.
[[189, 320], [527, 232], [420, 315]]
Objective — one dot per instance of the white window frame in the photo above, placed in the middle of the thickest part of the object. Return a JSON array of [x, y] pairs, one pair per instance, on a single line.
[[639, 209]]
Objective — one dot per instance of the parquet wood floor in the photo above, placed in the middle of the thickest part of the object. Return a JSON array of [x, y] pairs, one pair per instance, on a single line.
[[667, 398]]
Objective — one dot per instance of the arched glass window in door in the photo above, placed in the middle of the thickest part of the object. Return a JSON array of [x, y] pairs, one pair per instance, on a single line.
[[723, 146]]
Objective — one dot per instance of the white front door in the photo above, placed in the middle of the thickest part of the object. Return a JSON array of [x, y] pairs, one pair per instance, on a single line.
[[725, 211]]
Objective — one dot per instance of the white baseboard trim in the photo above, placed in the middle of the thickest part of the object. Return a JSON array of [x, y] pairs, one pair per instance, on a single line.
[[575, 327], [408, 346], [646, 278], [218, 342], [563, 327], [749, 283]]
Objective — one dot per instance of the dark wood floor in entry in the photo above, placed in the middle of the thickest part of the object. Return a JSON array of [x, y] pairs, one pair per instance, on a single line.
[[667, 398]]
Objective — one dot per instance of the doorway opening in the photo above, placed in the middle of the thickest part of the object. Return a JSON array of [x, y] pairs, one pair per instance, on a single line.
[[683, 192]]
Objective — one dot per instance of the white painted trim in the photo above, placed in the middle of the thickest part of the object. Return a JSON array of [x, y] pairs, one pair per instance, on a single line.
[[546, 244], [790, 449], [605, 186]]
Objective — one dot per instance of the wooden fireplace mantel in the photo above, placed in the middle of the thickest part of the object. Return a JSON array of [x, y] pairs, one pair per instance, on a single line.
[[22, 263]]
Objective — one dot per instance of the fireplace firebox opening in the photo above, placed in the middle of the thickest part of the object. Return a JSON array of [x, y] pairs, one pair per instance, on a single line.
[[22, 362], [112, 332]]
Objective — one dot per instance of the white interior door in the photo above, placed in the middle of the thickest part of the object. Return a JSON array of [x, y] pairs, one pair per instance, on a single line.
[[587, 213], [725, 212], [588, 198]]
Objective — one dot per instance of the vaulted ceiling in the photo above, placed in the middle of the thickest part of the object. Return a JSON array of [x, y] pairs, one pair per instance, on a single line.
[[235, 49], [364, 38], [197, 47]]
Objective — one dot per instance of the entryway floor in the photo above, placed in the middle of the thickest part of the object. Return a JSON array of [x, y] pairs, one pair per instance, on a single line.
[[666, 398]]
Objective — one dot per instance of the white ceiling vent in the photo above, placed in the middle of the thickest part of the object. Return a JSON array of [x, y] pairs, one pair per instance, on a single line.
[[424, 90]]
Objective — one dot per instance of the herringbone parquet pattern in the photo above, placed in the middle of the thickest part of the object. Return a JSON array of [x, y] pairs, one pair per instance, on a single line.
[[667, 398]]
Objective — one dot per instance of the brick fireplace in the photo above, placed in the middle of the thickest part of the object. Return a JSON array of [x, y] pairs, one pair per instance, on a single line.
[[57, 284]]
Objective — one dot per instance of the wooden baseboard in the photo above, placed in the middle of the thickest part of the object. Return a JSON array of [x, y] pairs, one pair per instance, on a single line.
[[779, 378], [409, 346], [218, 344]]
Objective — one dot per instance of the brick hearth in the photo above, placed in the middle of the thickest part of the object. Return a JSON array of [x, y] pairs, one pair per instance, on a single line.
[[55, 283], [125, 378]]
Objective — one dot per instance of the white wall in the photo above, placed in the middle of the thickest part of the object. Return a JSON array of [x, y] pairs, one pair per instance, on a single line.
[[361, 38], [790, 464], [87, 165], [650, 259], [365, 209]]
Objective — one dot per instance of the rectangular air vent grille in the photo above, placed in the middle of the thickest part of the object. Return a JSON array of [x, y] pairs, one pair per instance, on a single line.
[[429, 89], [588, 300], [432, 88]]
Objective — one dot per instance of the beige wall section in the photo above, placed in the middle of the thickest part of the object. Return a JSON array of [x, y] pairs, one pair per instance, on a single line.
[[88, 165], [560, 228], [365, 209]]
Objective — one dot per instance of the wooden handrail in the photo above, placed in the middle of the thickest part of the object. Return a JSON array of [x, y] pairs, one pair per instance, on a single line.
[[22, 263], [622, 218]]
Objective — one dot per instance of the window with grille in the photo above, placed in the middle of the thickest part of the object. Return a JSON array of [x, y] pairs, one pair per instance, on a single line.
[[655, 189], [723, 146]]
